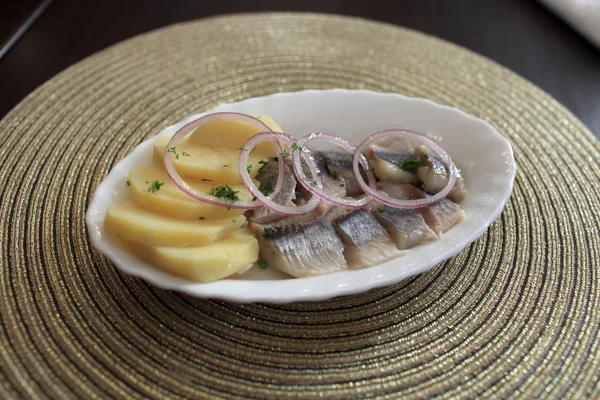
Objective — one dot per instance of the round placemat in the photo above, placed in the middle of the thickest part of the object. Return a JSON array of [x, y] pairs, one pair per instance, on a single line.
[[516, 314]]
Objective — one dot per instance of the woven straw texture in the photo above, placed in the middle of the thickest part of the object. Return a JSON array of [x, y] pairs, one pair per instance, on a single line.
[[514, 315]]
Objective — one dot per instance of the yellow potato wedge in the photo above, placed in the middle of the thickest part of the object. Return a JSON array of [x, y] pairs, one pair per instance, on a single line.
[[203, 263], [219, 165], [232, 135], [170, 201], [134, 223]]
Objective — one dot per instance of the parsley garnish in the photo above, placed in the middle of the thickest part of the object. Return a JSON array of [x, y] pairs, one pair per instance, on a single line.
[[261, 264], [268, 189], [249, 168], [427, 156], [341, 185], [206, 180], [264, 164], [379, 187], [201, 218], [410, 164], [225, 165], [155, 186], [174, 151], [380, 208], [129, 183], [224, 192], [186, 154], [297, 194], [267, 232], [233, 220], [334, 175], [284, 154], [344, 159], [296, 147], [243, 148]]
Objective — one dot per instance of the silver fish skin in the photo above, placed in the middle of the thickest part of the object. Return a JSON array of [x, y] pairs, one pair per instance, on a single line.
[[434, 176], [386, 158], [366, 241], [286, 196], [440, 217], [301, 250], [406, 226]]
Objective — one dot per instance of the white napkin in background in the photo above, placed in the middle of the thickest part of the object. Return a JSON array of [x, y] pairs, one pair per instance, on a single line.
[[582, 15]]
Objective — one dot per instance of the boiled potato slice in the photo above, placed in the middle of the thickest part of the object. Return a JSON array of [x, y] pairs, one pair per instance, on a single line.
[[131, 222], [172, 202], [218, 165], [204, 263], [233, 135]]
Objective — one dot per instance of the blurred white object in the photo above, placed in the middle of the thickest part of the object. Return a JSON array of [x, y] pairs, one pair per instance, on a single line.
[[582, 15]]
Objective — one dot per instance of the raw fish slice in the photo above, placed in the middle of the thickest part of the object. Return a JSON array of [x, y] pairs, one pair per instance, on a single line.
[[268, 178], [301, 250], [434, 176], [366, 242], [386, 171], [440, 217], [406, 226]]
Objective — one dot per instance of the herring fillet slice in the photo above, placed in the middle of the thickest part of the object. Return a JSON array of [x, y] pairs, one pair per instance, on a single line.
[[301, 250], [366, 241]]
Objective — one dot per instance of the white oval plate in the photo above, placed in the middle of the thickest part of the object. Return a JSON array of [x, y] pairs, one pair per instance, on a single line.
[[483, 155]]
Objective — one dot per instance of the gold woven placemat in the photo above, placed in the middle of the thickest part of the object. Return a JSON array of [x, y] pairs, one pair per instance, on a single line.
[[516, 314]]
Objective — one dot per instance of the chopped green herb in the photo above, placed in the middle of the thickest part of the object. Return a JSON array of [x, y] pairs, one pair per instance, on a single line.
[[206, 180], [224, 192], [312, 183], [129, 183], [174, 151], [146, 181], [345, 159], [201, 218], [296, 147], [297, 194], [155, 186], [427, 156], [342, 185], [318, 173], [242, 148], [284, 154], [268, 189], [267, 232], [264, 164], [379, 187], [380, 208], [410, 164], [334, 175], [233, 220], [186, 154], [261, 264], [249, 168], [225, 165]]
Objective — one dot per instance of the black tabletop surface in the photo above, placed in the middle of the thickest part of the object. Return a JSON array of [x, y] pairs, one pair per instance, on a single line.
[[522, 35]]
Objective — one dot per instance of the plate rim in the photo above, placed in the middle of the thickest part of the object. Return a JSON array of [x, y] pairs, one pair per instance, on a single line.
[[250, 296]]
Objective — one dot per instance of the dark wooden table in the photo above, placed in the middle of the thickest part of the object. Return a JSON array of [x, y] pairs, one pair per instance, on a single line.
[[519, 34]]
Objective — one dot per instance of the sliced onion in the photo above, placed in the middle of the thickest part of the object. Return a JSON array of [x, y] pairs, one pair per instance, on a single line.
[[249, 183], [317, 189], [399, 203], [205, 197]]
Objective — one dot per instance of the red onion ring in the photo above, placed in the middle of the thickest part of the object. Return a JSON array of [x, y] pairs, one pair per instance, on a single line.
[[205, 197], [267, 201], [398, 203], [317, 190]]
